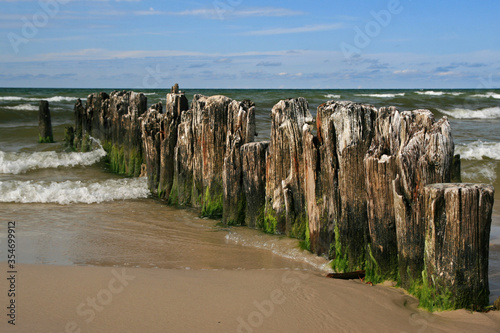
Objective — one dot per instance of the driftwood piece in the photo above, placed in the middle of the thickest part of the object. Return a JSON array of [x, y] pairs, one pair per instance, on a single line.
[[347, 275], [457, 243]]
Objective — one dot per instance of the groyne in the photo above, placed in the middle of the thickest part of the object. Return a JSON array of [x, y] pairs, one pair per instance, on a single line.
[[370, 188]]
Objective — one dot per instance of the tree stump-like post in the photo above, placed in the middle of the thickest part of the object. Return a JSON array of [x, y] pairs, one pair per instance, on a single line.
[[253, 160], [456, 246], [285, 196], [44, 123]]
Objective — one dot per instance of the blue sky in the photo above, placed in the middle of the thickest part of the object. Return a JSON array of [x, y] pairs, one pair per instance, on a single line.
[[250, 44]]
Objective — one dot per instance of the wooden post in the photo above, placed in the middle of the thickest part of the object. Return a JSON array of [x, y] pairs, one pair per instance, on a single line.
[[44, 123], [253, 160], [285, 196], [354, 124], [458, 218], [241, 117]]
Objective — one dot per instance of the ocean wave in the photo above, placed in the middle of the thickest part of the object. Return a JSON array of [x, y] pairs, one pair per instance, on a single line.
[[488, 95], [15, 163], [286, 248], [487, 113], [22, 107], [31, 99], [69, 192], [333, 96], [12, 98], [381, 95], [478, 150], [484, 173], [438, 93]]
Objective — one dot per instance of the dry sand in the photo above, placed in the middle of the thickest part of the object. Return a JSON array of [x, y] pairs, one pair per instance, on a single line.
[[106, 299]]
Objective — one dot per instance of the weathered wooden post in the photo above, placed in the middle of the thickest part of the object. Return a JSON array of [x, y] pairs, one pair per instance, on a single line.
[[424, 157], [44, 123], [354, 127], [176, 103], [458, 223], [151, 138], [285, 210], [253, 160], [380, 172], [240, 130]]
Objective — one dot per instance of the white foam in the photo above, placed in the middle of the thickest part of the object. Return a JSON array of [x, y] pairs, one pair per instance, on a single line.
[[488, 95], [487, 113], [430, 93], [287, 250], [69, 192], [22, 107], [484, 173], [11, 98], [60, 99], [381, 95], [478, 150], [333, 96], [32, 99], [15, 163]]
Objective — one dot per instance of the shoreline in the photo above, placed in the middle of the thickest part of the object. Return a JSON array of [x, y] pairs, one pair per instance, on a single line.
[[112, 299]]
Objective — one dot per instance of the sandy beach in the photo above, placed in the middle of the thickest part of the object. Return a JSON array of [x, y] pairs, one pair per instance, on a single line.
[[116, 299]]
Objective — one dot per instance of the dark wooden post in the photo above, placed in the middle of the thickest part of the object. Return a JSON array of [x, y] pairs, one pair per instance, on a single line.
[[458, 218], [44, 123], [253, 160]]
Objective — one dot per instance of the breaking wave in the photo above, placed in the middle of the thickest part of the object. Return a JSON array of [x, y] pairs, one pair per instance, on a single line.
[[480, 173], [333, 96], [438, 93], [381, 95], [487, 113], [478, 150], [69, 192], [488, 95], [22, 107], [32, 99], [15, 163]]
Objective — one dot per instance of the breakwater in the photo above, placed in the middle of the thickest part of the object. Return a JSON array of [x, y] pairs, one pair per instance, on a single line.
[[352, 185]]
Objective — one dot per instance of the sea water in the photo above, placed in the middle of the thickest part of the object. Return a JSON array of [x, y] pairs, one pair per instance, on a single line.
[[71, 210]]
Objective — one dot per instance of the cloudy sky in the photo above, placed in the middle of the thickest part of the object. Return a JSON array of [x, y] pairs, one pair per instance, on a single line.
[[250, 44]]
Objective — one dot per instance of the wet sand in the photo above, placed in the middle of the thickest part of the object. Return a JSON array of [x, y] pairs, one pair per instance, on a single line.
[[115, 299]]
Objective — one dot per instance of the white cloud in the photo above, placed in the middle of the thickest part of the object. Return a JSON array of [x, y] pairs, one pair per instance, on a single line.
[[405, 72], [446, 73], [307, 28], [218, 13]]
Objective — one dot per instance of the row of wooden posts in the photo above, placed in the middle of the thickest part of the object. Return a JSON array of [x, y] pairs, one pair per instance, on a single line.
[[370, 188]]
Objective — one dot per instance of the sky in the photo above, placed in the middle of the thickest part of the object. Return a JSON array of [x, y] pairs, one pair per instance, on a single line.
[[146, 44]]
